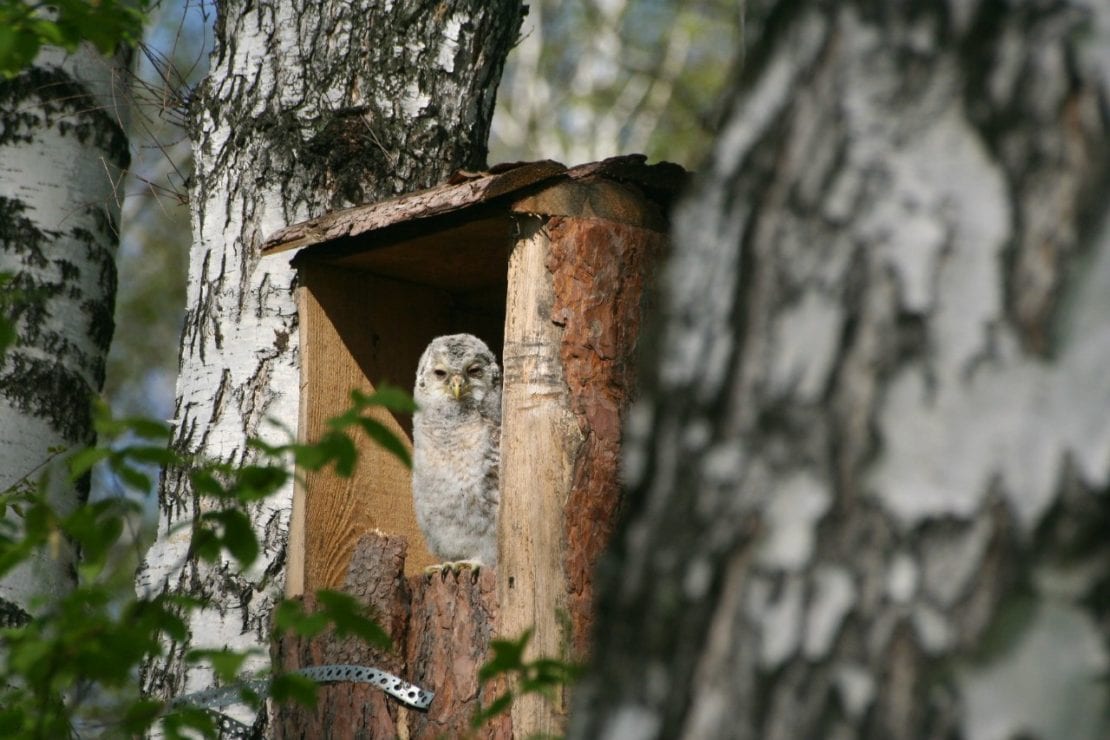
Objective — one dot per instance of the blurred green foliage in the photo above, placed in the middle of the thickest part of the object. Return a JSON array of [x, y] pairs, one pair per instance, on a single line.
[[71, 668], [156, 232], [541, 676], [27, 26]]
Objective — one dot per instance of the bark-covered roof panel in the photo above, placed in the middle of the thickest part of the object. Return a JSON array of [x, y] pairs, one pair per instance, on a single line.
[[518, 187]]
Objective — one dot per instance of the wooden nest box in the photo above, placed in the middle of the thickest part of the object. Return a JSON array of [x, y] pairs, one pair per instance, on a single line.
[[551, 267]]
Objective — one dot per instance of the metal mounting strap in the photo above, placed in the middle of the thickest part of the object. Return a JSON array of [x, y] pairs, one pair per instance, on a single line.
[[401, 690]]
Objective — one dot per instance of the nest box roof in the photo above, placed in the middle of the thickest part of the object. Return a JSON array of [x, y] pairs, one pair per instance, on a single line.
[[455, 234]]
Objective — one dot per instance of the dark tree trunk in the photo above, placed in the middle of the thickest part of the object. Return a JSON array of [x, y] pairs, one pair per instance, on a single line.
[[868, 484]]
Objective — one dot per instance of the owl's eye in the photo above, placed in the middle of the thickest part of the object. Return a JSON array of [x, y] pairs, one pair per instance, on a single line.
[[475, 371], [440, 373]]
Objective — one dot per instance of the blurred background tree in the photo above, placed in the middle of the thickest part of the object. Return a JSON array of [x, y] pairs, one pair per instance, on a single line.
[[142, 364], [594, 79]]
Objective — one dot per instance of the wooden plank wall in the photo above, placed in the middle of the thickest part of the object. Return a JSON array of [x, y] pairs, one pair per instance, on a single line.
[[357, 329]]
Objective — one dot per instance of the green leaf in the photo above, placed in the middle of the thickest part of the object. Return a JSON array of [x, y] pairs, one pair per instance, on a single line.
[[106, 426], [50, 32], [18, 47], [237, 535], [160, 614], [206, 484], [184, 717], [95, 527], [7, 328], [255, 482], [13, 555], [540, 676], [310, 457], [154, 455], [350, 618], [290, 615], [290, 686], [225, 663], [250, 697], [109, 427], [255, 443], [140, 714], [84, 460], [387, 396], [89, 570], [508, 656], [132, 476], [387, 439], [341, 449], [205, 544], [498, 706], [24, 655], [147, 428], [286, 614]]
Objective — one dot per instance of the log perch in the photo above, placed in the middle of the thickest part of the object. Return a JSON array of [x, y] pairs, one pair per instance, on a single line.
[[440, 625]]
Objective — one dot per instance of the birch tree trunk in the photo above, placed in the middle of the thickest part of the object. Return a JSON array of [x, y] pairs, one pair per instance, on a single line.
[[63, 150], [870, 482], [308, 107]]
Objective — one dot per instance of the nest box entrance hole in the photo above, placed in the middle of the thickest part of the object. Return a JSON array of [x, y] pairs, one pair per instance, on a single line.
[[368, 308]]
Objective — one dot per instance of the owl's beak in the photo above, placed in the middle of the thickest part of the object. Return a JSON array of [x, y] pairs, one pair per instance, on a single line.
[[456, 386]]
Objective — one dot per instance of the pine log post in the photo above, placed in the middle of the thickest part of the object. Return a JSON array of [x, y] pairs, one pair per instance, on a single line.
[[347, 710], [440, 626], [450, 627]]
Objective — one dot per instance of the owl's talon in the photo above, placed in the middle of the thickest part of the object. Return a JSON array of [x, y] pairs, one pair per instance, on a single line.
[[458, 565], [453, 566]]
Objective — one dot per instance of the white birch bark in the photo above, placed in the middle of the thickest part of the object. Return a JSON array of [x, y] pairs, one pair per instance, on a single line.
[[307, 107], [63, 149], [869, 494]]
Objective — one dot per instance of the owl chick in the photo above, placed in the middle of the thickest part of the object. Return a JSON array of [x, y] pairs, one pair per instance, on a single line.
[[456, 434]]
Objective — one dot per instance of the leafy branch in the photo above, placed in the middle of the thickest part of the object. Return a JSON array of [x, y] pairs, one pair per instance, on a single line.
[[27, 26], [543, 676], [72, 667]]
